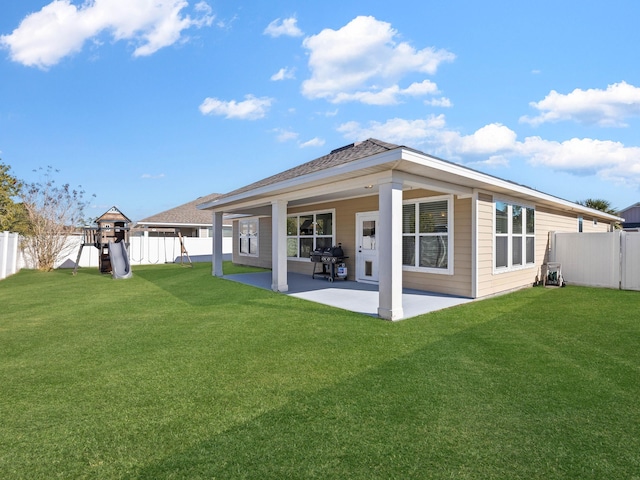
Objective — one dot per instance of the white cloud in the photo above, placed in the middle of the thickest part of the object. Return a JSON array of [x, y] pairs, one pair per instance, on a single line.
[[443, 102], [60, 28], [314, 142], [387, 96], [284, 74], [496, 145], [283, 135], [606, 108], [362, 61], [396, 130], [252, 108], [489, 139], [152, 176], [281, 27], [582, 155]]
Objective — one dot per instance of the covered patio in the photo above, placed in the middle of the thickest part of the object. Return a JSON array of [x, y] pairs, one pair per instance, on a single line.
[[348, 295]]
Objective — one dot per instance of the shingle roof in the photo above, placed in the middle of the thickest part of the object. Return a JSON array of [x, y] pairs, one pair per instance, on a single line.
[[113, 215], [186, 214], [339, 156]]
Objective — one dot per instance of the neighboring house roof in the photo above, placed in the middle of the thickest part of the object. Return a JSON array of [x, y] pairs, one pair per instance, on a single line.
[[182, 215], [631, 215], [630, 207], [315, 181]]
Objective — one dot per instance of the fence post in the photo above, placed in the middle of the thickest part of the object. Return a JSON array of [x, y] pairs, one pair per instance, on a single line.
[[15, 253], [5, 253], [9, 254], [552, 246], [621, 259]]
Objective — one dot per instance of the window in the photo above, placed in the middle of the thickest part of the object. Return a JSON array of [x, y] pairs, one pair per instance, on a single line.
[[426, 234], [514, 236], [309, 231], [248, 236], [580, 224]]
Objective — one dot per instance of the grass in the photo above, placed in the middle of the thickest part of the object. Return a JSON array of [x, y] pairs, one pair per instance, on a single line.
[[177, 374]]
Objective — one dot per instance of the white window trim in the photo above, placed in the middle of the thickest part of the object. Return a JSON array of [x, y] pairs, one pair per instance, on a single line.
[[450, 236], [511, 268], [249, 219], [332, 211]]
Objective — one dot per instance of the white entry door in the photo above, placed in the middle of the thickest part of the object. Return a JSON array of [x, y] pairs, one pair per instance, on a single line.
[[366, 247]]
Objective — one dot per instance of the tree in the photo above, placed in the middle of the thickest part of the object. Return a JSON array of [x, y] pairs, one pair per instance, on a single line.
[[53, 212], [12, 214], [598, 204]]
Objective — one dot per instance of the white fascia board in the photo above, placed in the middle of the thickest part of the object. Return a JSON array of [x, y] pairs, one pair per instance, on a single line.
[[172, 224], [299, 194], [491, 181], [327, 173], [394, 156], [433, 184]]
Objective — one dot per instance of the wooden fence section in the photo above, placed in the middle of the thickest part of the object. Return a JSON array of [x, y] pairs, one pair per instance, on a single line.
[[610, 260], [9, 253]]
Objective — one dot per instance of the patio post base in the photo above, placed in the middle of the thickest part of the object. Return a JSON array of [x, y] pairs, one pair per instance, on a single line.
[[393, 315]]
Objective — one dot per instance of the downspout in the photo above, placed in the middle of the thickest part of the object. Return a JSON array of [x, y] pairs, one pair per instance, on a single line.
[[474, 244]]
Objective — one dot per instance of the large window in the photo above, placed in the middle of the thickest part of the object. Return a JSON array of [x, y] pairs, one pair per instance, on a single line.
[[309, 231], [514, 236], [249, 237], [426, 234]]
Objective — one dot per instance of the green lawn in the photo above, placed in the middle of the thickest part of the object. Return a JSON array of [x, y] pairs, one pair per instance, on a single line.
[[176, 374]]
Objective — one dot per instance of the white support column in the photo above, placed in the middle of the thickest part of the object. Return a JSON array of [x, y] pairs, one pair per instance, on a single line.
[[216, 257], [279, 246], [389, 237], [474, 244]]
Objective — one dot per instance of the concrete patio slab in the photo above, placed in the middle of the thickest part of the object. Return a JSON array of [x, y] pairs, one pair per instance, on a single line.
[[350, 295]]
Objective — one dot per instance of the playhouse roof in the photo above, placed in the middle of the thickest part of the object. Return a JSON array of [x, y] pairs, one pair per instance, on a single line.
[[113, 215]]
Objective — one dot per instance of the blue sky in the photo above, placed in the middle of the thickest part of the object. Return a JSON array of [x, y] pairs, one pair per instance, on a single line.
[[149, 104]]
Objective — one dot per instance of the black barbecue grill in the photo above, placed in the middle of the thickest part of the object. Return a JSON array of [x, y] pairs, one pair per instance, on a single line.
[[332, 262]]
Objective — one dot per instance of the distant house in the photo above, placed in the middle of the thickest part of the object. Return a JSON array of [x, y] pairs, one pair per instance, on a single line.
[[185, 219], [405, 219], [631, 216]]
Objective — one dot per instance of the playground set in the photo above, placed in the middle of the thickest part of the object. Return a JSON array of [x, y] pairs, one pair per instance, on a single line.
[[111, 238]]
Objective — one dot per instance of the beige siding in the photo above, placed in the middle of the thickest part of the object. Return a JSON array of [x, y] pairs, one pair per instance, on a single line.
[[460, 282], [345, 226], [547, 220], [264, 245], [588, 226]]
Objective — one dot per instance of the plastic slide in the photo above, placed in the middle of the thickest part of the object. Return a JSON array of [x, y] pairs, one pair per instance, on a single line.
[[120, 266]]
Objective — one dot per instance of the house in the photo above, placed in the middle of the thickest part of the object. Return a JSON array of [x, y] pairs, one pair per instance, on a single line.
[[185, 219], [404, 218], [631, 216]]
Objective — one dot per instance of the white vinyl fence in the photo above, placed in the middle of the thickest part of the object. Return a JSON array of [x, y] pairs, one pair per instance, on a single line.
[[143, 250], [146, 250], [610, 260], [9, 253]]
